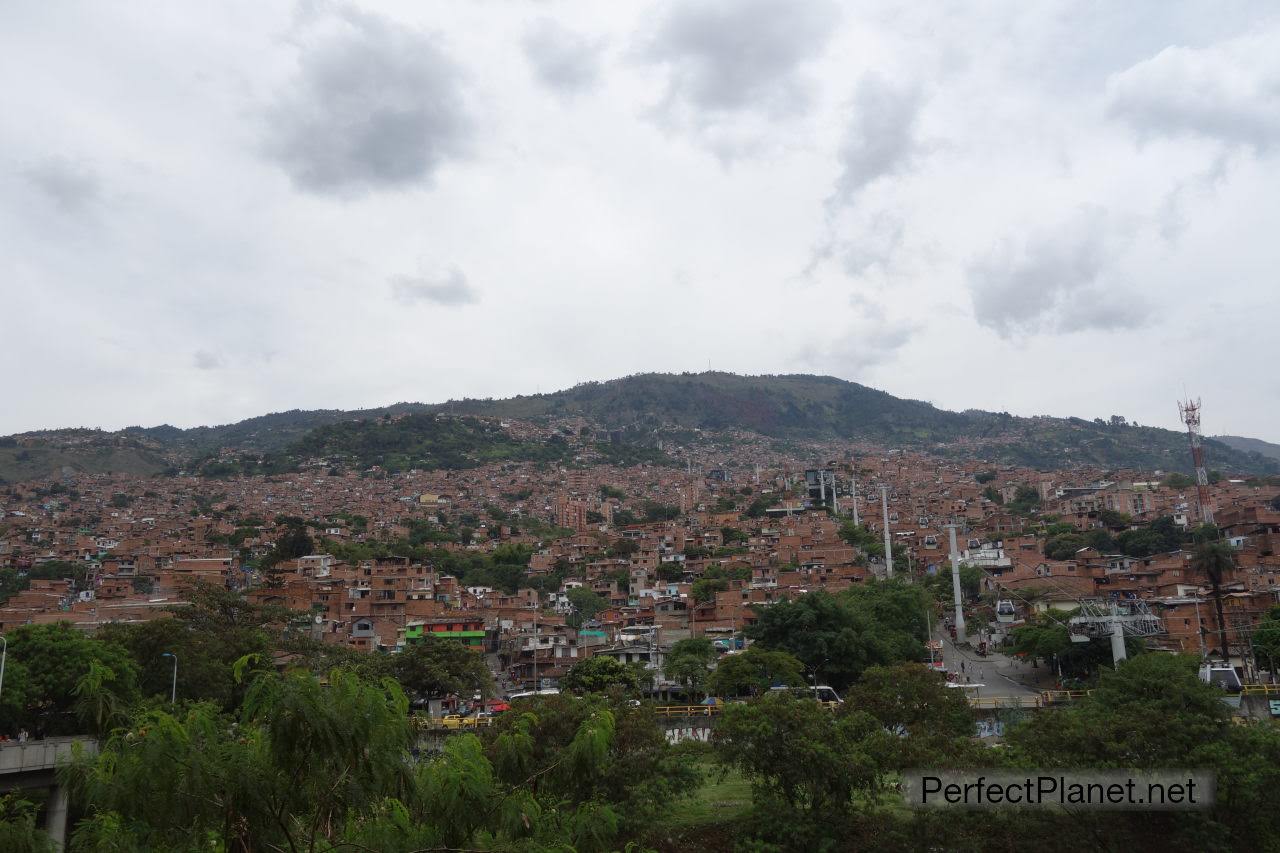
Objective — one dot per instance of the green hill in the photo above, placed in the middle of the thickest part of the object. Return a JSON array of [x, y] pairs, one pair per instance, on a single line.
[[49, 455], [802, 406], [1268, 449], [787, 407]]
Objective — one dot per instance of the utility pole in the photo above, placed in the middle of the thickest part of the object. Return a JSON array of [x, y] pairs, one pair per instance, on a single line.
[[888, 543], [1118, 651], [835, 495], [853, 488], [955, 585], [1200, 629]]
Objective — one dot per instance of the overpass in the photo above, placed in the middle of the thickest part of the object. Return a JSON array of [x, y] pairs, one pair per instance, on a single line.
[[34, 764]]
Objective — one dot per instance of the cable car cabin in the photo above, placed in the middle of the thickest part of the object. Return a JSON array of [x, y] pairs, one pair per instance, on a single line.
[[1005, 611], [1220, 675]]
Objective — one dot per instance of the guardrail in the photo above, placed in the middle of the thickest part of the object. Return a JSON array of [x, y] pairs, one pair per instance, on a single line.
[[1260, 689], [687, 710], [990, 703], [440, 724], [1055, 697]]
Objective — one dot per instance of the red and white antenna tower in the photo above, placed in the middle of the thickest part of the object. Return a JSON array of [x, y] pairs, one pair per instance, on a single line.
[[1189, 414]]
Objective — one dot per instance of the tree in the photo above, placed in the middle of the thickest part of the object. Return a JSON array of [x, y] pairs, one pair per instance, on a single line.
[[671, 572], [1063, 547], [912, 699], [705, 589], [754, 671], [1266, 640], [689, 662], [601, 673], [840, 636], [18, 831], [1025, 500], [1214, 560], [205, 657], [932, 725], [636, 773], [623, 548], [49, 662], [586, 603], [798, 752], [435, 667], [1050, 640], [1152, 711]]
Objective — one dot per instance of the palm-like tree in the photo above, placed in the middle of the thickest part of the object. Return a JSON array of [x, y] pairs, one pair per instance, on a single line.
[[1215, 559]]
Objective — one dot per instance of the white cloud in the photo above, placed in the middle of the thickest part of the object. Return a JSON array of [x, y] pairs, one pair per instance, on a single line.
[[1228, 91]]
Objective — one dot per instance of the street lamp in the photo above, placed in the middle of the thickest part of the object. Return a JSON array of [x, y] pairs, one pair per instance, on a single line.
[[816, 668], [173, 695]]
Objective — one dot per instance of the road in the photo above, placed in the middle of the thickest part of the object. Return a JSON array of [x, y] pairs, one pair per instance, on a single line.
[[1001, 676]]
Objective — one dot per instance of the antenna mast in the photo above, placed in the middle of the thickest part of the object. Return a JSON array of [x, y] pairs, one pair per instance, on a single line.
[[1189, 414]]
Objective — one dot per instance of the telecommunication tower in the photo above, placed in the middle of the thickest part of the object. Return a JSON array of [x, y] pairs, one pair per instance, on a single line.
[[1189, 414]]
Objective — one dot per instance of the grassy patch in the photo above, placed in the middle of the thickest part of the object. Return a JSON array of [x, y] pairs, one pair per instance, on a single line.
[[725, 796]]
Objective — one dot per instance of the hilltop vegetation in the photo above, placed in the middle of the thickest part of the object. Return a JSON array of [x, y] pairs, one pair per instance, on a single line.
[[823, 407], [423, 441], [786, 408]]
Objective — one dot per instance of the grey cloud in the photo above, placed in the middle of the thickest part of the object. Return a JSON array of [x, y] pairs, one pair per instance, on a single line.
[[741, 55], [880, 137], [562, 59], [873, 339], [1057, 280], [874, 246], [1228, 91], [450, 288], [71, 186], [206, 360], [374, 106]]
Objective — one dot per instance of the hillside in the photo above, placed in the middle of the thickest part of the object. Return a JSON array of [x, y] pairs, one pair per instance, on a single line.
[[783, 407], [801, 406], [1251, 445], [422, 441], [49, 455]]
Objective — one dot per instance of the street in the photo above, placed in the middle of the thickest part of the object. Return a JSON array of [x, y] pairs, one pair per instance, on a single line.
[[1002, 676]]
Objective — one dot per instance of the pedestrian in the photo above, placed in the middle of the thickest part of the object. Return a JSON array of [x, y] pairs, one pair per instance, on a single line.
[[22, 735], [962, 666]]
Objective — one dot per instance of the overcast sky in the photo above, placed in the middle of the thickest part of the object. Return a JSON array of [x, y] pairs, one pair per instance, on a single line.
[[210, 211]]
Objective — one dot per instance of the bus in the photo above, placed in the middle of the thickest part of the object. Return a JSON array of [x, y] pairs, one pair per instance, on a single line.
[[821, 692]]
